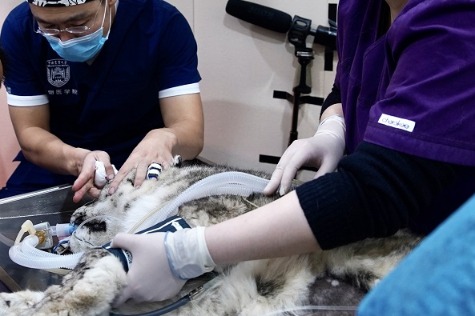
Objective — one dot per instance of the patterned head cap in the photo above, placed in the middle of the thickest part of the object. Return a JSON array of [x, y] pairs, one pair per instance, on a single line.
[[56, 3]]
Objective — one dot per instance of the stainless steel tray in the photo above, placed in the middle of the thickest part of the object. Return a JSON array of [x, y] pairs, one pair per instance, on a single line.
[[53, 205]]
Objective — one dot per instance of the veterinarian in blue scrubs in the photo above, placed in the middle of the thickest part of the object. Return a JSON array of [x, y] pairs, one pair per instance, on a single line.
[[436, 278], [108, 80], [398, 127]]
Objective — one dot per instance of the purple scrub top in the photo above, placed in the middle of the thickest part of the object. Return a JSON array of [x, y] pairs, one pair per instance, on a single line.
[[413, 88]]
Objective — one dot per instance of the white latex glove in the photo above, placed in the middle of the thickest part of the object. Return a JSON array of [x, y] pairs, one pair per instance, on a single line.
[[149, 277], [162, 262], [323, 151]]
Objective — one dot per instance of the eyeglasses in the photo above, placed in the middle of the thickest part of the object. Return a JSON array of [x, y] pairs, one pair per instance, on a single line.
[[75, 30]]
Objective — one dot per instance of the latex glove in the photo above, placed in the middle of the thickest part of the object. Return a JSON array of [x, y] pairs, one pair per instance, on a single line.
[[323, 151], [188, 253], [160, 268], [149, 277]]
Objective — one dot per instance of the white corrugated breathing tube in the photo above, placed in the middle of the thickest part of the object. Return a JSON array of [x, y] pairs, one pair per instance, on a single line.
[[26, 254]]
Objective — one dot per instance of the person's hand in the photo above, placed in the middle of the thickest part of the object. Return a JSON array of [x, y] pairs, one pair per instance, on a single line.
[[156, 147], [323, 151], [86, 182], [149, 278], [162, 262]]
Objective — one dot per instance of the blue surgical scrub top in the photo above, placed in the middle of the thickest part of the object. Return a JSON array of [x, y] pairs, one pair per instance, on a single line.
[[111, 103], [411, 89]]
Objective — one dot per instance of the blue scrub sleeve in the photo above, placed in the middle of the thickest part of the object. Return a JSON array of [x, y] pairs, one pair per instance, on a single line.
[[437, 278]]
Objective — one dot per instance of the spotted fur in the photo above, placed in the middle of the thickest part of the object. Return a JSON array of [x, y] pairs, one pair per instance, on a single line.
[[336, 277]]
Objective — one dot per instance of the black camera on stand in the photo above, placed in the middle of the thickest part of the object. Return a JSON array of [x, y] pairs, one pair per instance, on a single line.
[[298, 29]]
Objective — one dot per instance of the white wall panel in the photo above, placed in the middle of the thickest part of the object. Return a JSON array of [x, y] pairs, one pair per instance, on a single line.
[[241, 65]]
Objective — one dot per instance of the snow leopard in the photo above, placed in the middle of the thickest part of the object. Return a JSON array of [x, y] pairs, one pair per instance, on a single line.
[[330, 282]]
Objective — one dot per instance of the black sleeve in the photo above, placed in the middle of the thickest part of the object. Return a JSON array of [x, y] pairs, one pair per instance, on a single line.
[[375, 192], [333, 97]]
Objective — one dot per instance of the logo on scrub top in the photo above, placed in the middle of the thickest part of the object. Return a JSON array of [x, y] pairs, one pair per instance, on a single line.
[[58, 72]]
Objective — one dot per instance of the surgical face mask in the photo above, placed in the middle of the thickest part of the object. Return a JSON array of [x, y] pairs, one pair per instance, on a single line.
[[83, 48]]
